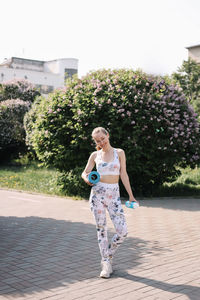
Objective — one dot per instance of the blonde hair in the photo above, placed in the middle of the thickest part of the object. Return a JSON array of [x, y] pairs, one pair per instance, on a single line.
[[98, 130]]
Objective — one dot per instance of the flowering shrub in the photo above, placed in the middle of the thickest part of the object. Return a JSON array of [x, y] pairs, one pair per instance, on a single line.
[[49, 130], [148, 118], [12, 133], [18, 89]]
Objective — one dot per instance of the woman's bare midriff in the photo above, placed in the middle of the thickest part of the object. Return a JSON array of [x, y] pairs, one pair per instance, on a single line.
[[109, 178]]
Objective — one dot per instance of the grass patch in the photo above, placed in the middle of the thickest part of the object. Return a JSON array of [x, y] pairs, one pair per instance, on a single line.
[[29, 178], [34, 178], [187, 184]]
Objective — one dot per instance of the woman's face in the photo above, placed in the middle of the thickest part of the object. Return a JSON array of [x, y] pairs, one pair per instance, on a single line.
[[101, 139]]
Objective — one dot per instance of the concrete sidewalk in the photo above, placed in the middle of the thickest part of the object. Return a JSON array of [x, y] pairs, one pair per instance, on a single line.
[[49, 250]]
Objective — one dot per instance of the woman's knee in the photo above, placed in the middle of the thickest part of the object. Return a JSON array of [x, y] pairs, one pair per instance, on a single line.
[[122, 232]]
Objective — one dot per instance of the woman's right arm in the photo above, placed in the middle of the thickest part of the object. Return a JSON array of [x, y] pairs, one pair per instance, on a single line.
[[90, 165]]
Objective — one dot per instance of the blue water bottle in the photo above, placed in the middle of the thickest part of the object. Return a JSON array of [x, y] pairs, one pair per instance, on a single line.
[[132, 204], [94, 177]]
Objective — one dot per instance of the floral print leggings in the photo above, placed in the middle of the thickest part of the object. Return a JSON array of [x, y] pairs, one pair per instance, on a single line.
[[106, 196]]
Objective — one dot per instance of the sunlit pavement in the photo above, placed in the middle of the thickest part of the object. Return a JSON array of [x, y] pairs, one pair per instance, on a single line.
[[49, 250]]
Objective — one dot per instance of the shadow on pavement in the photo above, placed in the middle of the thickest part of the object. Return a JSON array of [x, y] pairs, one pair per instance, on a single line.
[[185, 204], [38, 254], [184, 289]]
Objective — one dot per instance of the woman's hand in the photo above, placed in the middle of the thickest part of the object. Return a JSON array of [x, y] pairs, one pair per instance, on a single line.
[[132, 199], [89, 183], [88, 168], [85, 178]]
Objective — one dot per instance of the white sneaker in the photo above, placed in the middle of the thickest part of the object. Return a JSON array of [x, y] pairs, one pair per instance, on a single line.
[[106, 269]]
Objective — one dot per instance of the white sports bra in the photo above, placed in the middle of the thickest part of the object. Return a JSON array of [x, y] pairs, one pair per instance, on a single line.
[[107, 168]]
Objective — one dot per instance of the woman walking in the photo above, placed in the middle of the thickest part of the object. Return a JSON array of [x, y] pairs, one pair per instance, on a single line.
[[111, 164]]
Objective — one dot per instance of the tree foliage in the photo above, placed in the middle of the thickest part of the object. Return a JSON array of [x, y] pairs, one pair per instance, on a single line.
[[188, 77]]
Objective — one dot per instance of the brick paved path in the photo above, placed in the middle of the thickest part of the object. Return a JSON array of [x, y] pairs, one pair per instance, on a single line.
[[48, 250]]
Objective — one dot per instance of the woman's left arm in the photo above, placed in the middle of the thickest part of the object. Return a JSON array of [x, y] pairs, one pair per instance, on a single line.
[[124, 176]]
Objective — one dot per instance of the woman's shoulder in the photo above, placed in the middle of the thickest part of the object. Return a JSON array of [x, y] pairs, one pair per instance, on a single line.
[[93, 155], [119, 150]]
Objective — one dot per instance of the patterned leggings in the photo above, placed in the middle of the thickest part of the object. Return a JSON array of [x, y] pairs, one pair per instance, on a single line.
[[106, 196]]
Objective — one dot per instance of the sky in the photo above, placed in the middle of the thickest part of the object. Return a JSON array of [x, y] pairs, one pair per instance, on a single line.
[[147, 34]]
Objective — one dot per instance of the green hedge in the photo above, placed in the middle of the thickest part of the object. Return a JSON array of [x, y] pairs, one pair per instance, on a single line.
[[16, 97], [12, 133], [147, 117]]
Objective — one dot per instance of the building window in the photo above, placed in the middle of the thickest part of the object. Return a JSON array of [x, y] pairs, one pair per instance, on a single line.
[[70, 73]]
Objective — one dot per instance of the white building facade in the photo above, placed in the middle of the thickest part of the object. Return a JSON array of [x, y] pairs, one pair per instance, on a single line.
[[194, 52], [45, 75]]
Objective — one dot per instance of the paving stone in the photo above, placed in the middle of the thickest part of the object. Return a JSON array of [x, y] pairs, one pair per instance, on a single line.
[[49, 250]]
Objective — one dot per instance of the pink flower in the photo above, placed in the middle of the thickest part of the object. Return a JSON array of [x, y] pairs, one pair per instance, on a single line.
[[114, 104]]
